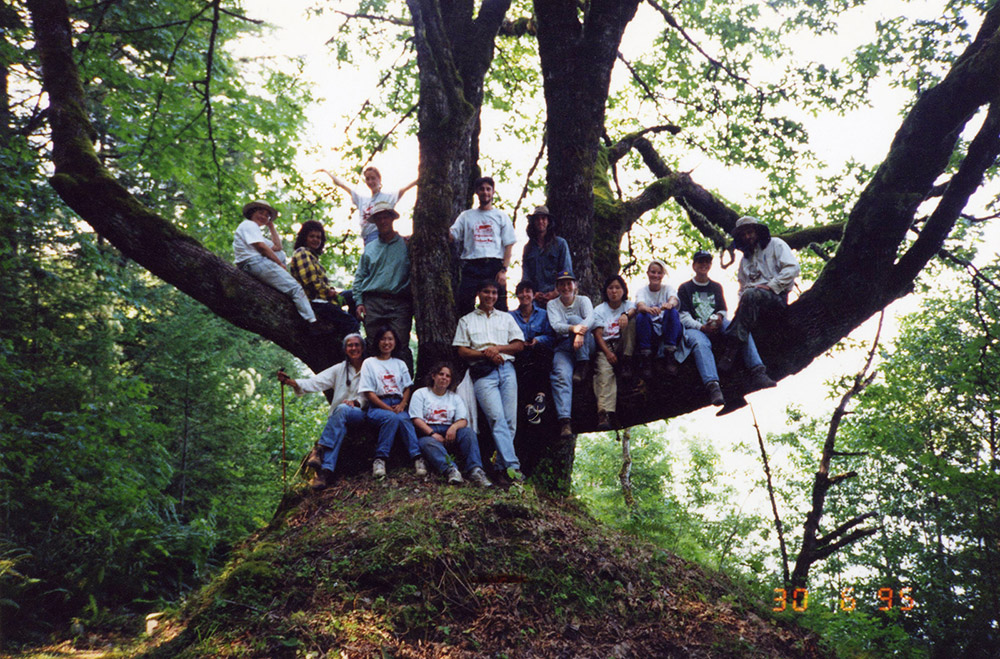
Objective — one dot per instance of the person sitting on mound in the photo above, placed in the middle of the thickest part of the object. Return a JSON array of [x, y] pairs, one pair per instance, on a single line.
[[441, 420]]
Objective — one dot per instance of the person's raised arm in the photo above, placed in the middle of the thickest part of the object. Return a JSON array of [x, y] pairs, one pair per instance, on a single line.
[[339, 182], [403, 190]]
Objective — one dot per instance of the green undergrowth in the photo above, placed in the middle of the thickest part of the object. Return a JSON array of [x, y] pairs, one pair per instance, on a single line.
[[414, 568]]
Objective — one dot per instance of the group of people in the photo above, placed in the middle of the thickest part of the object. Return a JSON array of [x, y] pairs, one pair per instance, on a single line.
[[555, 336]]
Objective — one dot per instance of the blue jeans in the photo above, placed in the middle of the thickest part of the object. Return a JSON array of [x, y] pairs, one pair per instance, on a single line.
[[277, 277], [649, 333], [437, 453], [497, 395], [704, 359], [562, 368], [343, 418], [391, 424]]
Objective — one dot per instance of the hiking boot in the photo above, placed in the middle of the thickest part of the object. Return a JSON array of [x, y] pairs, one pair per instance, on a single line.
[[454, 478], [603, 422], [715, 393], [322, 480], [581, 371], [759, 379], [420, 468], [314, 460], [539, 403], [732, 406], [478, 476], [565, 429], [378, 468]]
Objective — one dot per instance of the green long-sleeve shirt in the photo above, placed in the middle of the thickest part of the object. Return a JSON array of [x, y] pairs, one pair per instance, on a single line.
[[384, 268]]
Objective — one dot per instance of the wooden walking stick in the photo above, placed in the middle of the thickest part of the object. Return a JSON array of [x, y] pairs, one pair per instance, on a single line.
[[284, 462]]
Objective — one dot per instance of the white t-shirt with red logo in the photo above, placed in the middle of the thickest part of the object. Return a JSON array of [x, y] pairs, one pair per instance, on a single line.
[[434, 409], [384, 377], [608, 319], [483, 234]]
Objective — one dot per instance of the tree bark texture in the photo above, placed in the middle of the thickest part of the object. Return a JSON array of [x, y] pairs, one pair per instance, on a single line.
[[454, 53], [577, 54]]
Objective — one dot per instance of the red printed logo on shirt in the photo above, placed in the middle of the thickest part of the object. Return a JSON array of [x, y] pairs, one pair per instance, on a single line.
[[484, 233], [389, 386], [437, 416]]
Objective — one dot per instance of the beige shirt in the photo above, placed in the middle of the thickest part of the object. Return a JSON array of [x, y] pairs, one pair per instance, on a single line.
[[478, 330]]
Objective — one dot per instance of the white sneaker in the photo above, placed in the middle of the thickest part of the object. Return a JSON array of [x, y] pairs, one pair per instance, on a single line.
[[378, 468], [420, 467], [478, 476], [454, 477]]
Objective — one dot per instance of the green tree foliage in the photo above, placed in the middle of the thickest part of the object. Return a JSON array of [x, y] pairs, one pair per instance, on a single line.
[[140, 434], [925, 435], [684, 500]]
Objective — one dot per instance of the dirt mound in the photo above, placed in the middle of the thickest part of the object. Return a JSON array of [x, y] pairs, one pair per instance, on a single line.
[[413, 568]]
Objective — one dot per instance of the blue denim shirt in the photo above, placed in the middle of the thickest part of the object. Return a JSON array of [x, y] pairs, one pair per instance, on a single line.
[[540, 267], [537, 326]]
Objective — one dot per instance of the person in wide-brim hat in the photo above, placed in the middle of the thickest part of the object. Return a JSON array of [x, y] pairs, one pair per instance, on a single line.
[[249, 208], [545, 255]]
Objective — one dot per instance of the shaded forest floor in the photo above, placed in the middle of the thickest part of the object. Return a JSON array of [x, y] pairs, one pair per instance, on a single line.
[[413, 568]]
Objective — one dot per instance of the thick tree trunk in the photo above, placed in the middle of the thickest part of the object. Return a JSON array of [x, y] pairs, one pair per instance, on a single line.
[[577, 55], [454, 53]]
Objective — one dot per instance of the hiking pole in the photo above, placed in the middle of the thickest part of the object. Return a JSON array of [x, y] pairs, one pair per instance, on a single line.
[[284, 463]]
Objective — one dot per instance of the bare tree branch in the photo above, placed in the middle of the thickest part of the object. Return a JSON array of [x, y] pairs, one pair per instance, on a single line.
[[527, 179], [638, 79], [385, 138], [770, 492], [373, 17]]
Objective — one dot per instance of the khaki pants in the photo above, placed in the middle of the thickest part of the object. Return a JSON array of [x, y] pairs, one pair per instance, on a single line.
[[605, 385]]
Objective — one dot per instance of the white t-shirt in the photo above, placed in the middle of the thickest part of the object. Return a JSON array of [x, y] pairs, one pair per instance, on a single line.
[[434, 409], [248, 233], [364, 200], [483, 234], [655, 299], [607, 318], [384, 377]]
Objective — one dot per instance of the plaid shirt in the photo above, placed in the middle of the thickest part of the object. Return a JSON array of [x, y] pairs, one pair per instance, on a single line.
[[307, 271]]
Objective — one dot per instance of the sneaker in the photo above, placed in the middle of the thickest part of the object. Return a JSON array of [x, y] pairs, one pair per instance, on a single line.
[[715, 393], [533, 415], [378, 468], [478, 476], [420, 467], [539, 403], [454, 478], [565, 429], [314, 460], [759, 379], [322, 480], [603, 422]]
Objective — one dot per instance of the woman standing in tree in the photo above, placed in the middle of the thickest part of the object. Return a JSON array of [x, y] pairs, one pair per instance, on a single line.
[[366, 202], [545, 255]]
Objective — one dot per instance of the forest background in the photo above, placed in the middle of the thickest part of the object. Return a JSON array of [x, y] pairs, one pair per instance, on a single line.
[[141, 433]]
